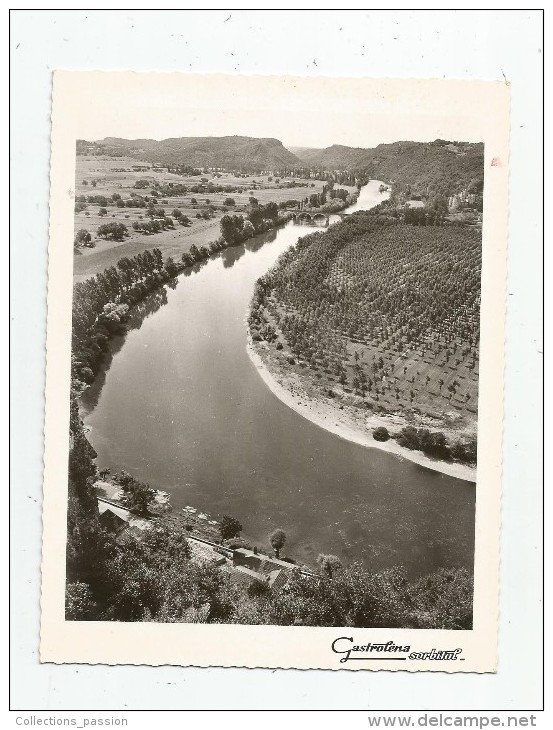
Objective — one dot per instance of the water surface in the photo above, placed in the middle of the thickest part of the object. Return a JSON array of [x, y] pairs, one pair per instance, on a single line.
[[180, 405]]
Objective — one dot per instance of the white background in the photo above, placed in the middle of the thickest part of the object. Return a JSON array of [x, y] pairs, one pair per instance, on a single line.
[[449, 44]]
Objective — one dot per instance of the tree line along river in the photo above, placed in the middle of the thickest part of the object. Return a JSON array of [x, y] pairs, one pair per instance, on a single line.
[[180, 405]]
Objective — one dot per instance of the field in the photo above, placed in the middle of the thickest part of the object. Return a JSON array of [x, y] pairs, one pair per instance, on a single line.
[[106, 176], [388, 320]]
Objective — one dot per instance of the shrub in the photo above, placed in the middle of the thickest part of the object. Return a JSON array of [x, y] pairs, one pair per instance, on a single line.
[[79, 605], [381, 434], [258, 588], [408, 438], [434, 444], [465, 452], [237, 542]]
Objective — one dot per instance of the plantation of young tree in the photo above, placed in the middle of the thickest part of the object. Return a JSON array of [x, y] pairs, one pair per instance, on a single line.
[[385, 312]]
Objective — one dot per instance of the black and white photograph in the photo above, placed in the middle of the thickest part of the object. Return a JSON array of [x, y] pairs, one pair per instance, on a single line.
[[274, 396], [275, 366], [275, 362]]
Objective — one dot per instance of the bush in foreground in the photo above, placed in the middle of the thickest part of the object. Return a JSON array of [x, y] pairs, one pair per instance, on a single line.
[[381, 434]]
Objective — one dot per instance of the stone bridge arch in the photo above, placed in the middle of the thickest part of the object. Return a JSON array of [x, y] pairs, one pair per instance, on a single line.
[[317, 219], [320, 219]]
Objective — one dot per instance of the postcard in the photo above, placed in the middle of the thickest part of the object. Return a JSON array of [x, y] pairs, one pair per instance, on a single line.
[[274, 388]]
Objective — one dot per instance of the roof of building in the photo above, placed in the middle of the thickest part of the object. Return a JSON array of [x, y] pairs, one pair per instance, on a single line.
[[123, 515], [110, 518], [278, 579], [110, 509], [266, 563], [248, 571]]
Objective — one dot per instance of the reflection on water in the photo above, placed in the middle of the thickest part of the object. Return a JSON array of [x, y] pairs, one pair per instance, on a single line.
[[180, 405], [254, 244], [149, 305], [137, 315], [231, 255]]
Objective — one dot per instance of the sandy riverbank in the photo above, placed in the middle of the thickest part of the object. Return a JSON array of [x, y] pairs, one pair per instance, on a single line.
[[343, 424]]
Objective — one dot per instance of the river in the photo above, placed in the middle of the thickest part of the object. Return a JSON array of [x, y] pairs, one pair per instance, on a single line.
[[180, 405]]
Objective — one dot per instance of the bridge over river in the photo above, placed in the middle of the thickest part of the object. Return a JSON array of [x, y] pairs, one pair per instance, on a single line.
[[315, 219]]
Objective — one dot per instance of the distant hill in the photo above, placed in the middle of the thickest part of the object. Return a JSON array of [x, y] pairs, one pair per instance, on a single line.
[[229, 152], [439, 166], [336, 157], [306, 154], [417, 168]]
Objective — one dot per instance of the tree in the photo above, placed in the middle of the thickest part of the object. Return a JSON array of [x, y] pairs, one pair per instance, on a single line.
[[278, 540], [270, 211], [102, 212], [137, 495], [229, 527], [158, 257], [443, 600], [255, 216], [248, 230], [79, 605], [171, 267], [229, 202], [113, 231], [330, 564], [231, 226], [82, 238]]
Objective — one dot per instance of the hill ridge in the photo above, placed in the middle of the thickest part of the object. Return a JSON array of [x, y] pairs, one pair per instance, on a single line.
[[232, 151]]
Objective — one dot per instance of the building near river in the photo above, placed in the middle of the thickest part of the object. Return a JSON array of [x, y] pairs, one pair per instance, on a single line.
[[273, 571]]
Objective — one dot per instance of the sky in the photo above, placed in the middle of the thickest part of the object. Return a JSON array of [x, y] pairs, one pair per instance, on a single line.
[[299, 111]]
